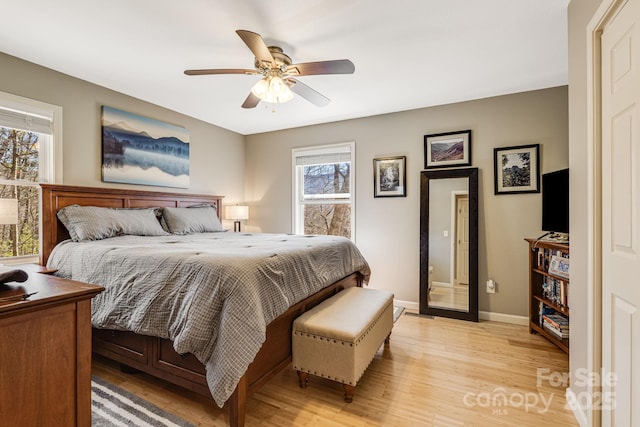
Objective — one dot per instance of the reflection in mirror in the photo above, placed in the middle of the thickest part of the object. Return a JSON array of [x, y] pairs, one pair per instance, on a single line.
[[449, 243]]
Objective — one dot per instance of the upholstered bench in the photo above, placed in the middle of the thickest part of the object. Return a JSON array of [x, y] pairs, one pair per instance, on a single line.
[[338, 338]]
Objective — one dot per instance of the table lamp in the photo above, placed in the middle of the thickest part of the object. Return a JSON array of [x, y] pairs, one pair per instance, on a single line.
[[237, 213], [8, 211]]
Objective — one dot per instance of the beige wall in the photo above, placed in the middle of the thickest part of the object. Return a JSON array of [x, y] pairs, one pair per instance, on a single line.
[[216, 155], [580, 13], [387, 230]]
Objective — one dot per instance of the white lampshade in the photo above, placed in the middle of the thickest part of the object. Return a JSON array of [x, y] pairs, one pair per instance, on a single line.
[[237, 212], [260, 89], [8, 211], [272, 89]]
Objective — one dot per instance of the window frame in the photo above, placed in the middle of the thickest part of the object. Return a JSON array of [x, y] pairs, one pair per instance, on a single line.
[[297, 215], [50, 168]]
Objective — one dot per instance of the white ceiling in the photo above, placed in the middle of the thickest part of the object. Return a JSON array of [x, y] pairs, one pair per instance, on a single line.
[[408, 53]]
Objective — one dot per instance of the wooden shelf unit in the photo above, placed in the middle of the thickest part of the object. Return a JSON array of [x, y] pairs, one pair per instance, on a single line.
[[540, 252]]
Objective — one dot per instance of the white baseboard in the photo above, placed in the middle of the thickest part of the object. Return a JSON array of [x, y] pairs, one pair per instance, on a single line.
[[483, 315], [578, 411], [408, 305], [504, 318]]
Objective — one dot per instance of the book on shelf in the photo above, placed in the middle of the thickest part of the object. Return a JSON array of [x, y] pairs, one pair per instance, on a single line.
[[556, 291], [557, 321], [541, 259], [543, 310], [559, 333], [557, 324]]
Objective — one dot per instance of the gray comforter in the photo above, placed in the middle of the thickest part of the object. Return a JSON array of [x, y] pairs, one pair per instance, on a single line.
[[212, 293]]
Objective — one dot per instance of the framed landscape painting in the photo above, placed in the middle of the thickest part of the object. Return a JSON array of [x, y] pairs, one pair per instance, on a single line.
[[389, 177], [447, 149], [144, 151], [517, 169]]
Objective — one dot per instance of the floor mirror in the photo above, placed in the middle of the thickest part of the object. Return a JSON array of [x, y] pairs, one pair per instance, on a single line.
[[449, 243]]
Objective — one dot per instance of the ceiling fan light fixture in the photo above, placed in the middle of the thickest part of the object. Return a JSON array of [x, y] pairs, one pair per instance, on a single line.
[[278, 72], [272, 89], [260, 89]]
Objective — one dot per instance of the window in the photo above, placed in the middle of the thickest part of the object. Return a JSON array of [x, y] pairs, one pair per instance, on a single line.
[[323, 190], [27, 157]]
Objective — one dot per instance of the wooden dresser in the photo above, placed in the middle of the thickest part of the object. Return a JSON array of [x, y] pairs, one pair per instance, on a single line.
[[45, 351]]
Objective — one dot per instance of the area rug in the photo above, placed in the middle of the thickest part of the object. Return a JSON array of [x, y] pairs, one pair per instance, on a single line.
[[113, 406], [397, 312]]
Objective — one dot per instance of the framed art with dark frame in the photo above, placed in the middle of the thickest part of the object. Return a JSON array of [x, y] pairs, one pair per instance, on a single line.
[[390, 176], [516, 169], [443, 150]]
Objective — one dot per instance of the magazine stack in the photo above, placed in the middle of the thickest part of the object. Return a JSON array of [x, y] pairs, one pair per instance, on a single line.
[[557, 324]]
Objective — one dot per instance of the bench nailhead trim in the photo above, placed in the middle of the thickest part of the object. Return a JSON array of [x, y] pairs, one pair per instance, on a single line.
[[329, 377]]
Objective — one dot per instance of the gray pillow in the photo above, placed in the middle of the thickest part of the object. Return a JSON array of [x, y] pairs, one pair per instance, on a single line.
[[194, 219], [96, 223]]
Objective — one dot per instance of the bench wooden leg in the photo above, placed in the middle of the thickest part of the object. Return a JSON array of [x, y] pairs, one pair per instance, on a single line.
[[303, 379], [348, 392], [388, 338]]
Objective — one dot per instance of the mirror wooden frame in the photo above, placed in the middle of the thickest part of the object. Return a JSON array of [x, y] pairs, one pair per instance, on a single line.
[[426, 176]]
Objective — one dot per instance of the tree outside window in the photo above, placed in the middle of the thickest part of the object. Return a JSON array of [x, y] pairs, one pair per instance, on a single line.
[[323, 183], [19, 161], [323, 194]]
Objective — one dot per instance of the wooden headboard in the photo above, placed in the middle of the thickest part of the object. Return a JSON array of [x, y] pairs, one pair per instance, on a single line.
[[56, 197]]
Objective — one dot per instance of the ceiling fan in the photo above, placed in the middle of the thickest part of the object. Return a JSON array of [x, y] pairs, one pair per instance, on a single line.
[[278, 73]]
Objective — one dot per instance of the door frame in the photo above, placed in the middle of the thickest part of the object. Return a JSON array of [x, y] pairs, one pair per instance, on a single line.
[[605, 12], [453, 259]]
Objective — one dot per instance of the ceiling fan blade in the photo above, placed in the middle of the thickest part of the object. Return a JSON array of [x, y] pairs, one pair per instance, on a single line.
[[338, 66], [219, 71], [257, 45], [251, 101], [309, 94]]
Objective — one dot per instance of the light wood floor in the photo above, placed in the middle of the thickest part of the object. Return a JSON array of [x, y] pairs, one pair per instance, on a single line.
[[435, 372], [456, 298]]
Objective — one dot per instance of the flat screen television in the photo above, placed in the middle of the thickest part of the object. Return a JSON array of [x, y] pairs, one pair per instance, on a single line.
[[555, 202]]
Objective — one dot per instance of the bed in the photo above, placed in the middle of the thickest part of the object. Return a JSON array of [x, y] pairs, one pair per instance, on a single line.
[[155, 354]]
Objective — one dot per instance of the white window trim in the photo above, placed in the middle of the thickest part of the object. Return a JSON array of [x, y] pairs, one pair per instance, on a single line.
[[53, 161], [52, 166], [327, 148]]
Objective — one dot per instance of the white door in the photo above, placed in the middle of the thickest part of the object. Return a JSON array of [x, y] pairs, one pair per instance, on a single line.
[[621, 214], [462, 240]]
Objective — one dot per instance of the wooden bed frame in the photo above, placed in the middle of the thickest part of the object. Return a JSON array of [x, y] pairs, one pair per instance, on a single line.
[[156, 356]]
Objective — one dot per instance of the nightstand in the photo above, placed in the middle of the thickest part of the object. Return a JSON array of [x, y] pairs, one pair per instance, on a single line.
[[45, 351]]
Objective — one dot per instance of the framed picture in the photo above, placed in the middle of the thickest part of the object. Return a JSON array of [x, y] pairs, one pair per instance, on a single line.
[[389, 177], [560, 266], [145, 151], [442, 150], [516, 169]]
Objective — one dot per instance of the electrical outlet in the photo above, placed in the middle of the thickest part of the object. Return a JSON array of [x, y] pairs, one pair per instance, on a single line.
[[491, 287]]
